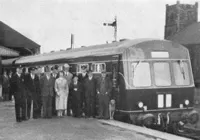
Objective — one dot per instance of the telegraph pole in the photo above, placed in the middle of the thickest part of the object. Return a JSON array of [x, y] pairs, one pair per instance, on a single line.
[[114, 25]]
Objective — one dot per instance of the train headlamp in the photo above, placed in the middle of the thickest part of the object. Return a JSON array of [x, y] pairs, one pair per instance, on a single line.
[[187, 102], [140, 104]]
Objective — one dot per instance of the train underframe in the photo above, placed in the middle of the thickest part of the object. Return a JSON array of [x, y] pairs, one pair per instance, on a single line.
[[171, 121]]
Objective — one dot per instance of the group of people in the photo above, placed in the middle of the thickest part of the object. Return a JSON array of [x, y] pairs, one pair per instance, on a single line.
[[59, 93]]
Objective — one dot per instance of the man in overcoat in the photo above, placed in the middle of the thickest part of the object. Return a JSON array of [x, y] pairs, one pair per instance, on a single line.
[[90, 94], [47, 91], [33, 90], [19, 92], [104, 89], [82, 78]]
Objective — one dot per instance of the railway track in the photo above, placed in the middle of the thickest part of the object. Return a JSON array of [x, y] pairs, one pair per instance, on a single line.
[[188, 132]]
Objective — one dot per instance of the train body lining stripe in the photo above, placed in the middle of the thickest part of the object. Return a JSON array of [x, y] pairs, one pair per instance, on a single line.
[[158, 110]]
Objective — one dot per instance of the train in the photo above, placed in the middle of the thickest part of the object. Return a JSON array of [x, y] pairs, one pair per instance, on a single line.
[[152, 79]]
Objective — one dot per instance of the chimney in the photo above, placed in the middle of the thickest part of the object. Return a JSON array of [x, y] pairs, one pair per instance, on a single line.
[[72, 41]]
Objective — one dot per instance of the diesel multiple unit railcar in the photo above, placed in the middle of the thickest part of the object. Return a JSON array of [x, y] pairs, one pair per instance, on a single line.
[[152, 79]]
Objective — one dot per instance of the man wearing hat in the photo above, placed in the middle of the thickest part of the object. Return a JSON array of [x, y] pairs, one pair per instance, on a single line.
[[104, 88], [19, 92], [69, 77], [90, 94], [82, 78], [47, 91], [33, 90], [54, 74]]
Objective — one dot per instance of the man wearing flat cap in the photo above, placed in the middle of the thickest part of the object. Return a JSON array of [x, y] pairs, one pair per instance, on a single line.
[[47, 91], [69, 77], [19, 92], [104, 88], [33, 90]]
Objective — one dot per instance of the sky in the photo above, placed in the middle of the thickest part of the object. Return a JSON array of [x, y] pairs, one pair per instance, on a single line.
[[50, 23]]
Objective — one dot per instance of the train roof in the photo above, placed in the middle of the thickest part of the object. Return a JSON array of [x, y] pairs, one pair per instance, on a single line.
[[95, 50]]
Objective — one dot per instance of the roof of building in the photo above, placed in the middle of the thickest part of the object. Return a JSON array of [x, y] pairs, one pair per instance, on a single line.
[[189, 35], [12, 39]]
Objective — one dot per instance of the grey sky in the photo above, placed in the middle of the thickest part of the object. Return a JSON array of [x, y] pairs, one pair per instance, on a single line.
[[50, 22]]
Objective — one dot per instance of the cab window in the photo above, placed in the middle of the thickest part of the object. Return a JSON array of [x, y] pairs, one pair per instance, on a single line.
[[181, 73], [141, 74], [78, 67], [162, 74]]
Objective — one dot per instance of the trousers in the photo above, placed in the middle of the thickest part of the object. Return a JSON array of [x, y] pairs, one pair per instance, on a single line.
[[47, 106]]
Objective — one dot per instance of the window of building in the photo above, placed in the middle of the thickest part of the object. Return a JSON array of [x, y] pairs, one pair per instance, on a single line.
[[141, 74], [98, 67], [162, 74], [181, 73]]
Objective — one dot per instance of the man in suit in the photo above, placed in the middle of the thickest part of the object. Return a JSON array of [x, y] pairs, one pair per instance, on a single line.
[[82, 78], [104, 88], [90, 94], [19, 92], [33, 90], [55, 76], [47, 91], [69, 77], [6, 86]]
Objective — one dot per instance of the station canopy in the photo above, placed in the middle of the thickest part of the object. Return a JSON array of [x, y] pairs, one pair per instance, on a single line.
[[14, 40]]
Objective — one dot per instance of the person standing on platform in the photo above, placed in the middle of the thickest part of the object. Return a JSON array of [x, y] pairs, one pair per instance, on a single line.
[[76, 91], [82, 78], [90, 94], [10, 81], [18, 87], [62, 91], [69, 77], [104, 89], [55, 76], [6, 86], [33, 89], [47, 91]]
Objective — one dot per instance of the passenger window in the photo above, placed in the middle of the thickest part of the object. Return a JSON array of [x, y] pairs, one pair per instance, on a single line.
[[141, 74], [162, 74], [98, 67], [181, 73], [78, 67]]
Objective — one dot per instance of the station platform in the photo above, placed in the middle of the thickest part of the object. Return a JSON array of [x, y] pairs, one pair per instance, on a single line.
[[66, 128]]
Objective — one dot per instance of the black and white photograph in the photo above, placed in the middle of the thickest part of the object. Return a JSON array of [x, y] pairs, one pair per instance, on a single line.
[[99, 70]]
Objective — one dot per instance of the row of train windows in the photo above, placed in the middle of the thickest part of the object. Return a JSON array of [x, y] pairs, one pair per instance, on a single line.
[[96, 67], [162, 75]]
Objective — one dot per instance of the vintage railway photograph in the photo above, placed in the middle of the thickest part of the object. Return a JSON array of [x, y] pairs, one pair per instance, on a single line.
[[99, 70]]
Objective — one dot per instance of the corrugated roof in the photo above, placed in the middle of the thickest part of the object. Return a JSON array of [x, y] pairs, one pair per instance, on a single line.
[[7, 52], [189, 35]]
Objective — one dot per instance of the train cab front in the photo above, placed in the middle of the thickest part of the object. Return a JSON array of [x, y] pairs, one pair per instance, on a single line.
[[159, 85]]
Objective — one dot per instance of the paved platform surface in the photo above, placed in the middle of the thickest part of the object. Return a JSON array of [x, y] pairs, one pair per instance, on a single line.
[[67, 128]]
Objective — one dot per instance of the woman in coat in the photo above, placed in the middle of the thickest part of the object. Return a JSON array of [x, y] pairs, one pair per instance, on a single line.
[[62, 91]]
